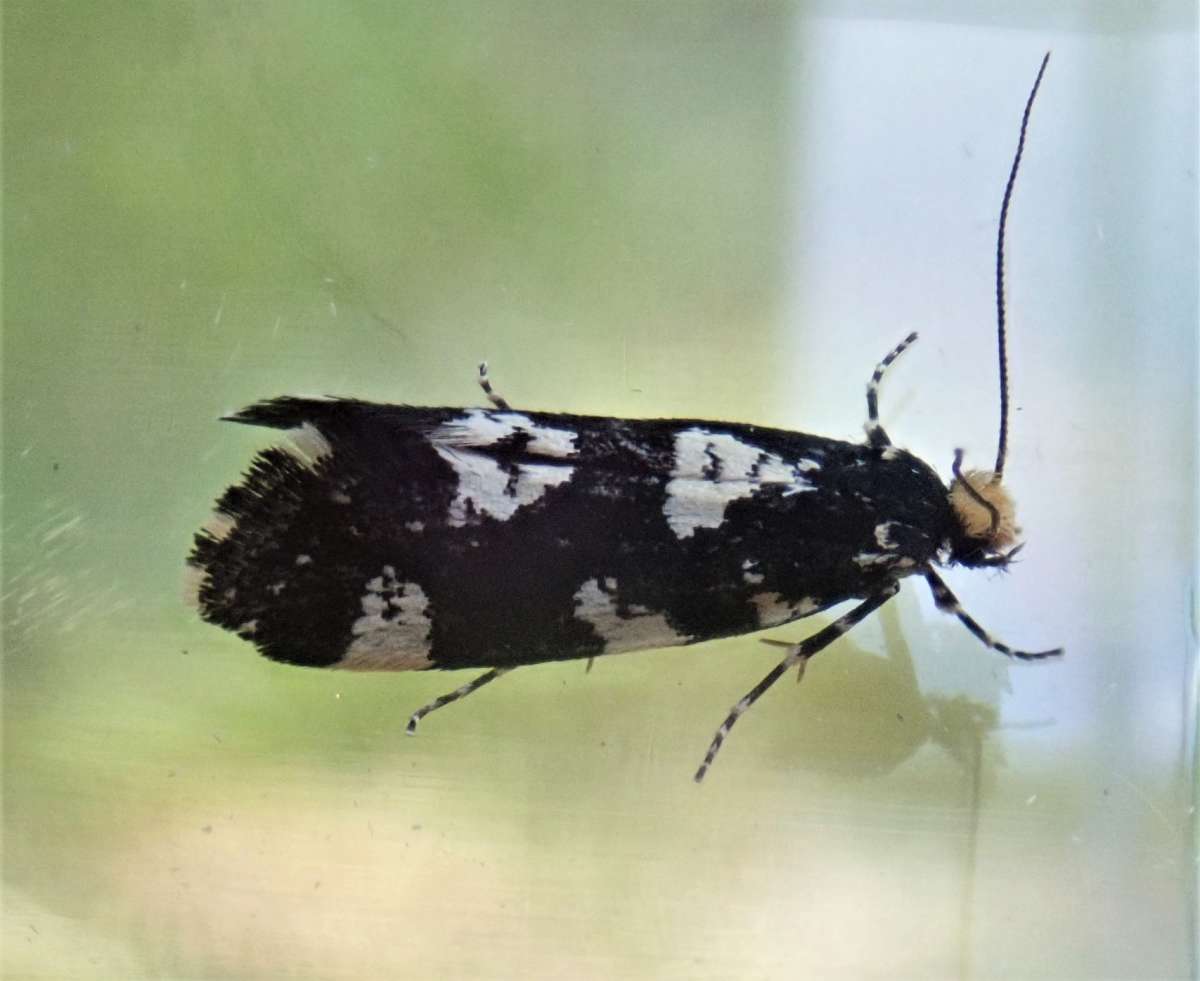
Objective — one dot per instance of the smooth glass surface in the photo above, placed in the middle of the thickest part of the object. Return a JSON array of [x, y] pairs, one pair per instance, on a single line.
[[716, 210]]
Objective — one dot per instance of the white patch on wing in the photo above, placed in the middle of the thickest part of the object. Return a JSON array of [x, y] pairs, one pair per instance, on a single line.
[[549, 441], [220, 525], [749, 576], [714, 469], [479, 427], [309, 446], [774, 610], [883, 535], [637, 630], [393, 632], [864, 559], [483, 484]]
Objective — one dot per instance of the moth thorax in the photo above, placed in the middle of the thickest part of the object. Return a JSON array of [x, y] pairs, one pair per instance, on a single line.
[[975, 519]]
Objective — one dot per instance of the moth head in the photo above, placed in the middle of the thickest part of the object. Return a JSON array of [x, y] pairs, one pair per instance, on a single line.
[[985, 515]]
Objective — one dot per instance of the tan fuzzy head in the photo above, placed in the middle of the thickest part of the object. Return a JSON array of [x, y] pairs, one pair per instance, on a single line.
[[975, 519]]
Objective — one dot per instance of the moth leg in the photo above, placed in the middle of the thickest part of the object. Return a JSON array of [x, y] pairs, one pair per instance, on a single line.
[[875, 434], [453, 696], [796, 653], [494, 397], [947, 602]]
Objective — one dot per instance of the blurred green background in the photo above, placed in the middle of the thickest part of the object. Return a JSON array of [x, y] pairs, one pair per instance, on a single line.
[[209, 203]]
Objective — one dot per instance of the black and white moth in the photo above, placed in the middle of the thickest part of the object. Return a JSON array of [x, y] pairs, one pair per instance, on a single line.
[[395, 537]]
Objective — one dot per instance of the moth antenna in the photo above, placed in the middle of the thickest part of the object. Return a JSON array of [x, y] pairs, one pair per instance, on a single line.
[[1001, 337]]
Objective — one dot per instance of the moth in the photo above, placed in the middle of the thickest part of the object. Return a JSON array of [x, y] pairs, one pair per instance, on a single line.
[[402, 538]]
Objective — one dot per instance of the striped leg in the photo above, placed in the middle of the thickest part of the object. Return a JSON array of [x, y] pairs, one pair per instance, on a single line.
[[796, 653], [494, 397], [947, 602], [875, 434], [453, 696]]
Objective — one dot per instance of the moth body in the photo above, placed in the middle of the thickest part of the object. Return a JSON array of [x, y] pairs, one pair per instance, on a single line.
[[450, 538], [399, 538]]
